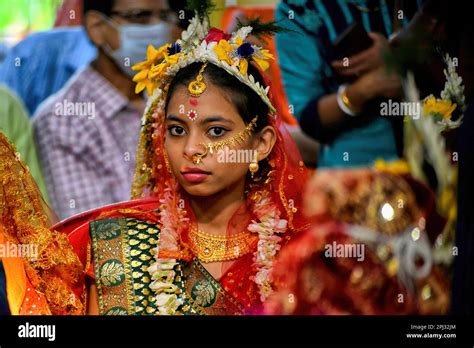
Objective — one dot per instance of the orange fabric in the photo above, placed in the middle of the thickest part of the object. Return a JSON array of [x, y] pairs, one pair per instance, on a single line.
[[34, 302], [23, 299], [266, 14], [15, 279]]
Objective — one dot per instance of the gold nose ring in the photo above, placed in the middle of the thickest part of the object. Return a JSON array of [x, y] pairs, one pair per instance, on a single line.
[[197, 157]]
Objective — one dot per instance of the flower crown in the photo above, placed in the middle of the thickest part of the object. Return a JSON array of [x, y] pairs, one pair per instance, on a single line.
[[201, 44]]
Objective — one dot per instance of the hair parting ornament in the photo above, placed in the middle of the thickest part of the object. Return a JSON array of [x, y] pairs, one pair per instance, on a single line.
[[198, 86], [195, 89]]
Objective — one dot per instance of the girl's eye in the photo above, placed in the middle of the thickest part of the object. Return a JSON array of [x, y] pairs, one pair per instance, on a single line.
[[176, 131], [216, 132]]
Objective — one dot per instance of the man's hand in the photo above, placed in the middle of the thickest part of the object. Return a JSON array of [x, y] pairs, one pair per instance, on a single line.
[[367, 60], [375, 83]]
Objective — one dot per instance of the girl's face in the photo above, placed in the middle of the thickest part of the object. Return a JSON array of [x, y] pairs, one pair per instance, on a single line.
[[216, 120]]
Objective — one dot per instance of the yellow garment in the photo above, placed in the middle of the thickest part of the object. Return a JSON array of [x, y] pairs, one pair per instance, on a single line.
[[15, 279]]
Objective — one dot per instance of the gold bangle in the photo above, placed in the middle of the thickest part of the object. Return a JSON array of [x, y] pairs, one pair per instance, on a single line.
[[346, 101]]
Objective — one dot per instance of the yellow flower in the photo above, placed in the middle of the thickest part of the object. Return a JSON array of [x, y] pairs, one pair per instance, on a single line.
[[158, 70], [261, 58], [142, 84], [238, 41], [392, 167], [173, 59], [223, 50], [447, 204], [153, 56], [243, 66], [143, 78], [148, 84], [441, 107]]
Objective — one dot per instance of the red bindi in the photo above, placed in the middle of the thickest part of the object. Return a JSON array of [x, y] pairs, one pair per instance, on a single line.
[[193, 102]]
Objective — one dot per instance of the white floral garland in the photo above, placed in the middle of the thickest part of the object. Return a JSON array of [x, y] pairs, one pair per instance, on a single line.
[[454, 91], [268, 244], [167, 297], [426, 135], [163, 271]]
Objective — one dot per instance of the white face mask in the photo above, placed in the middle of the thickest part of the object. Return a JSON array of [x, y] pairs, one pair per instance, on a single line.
[[134, 40]]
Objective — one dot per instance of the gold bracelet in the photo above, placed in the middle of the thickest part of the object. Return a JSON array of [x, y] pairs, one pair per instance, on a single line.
[[344, 103]]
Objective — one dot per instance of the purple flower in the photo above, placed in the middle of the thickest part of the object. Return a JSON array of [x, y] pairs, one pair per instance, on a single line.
[[245, 50], [175, 48]]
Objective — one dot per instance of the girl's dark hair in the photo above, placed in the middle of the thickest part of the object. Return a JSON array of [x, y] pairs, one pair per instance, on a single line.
[[247, 103]]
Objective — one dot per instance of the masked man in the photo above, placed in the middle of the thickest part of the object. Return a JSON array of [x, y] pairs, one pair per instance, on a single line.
[[87, 133]]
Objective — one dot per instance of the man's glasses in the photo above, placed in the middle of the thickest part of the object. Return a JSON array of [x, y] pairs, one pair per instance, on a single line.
[[146, 16]]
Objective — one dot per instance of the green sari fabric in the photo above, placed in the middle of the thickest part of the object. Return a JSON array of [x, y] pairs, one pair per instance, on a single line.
[[123, 249]]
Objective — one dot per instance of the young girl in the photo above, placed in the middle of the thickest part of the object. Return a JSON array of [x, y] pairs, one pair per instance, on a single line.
[[217, 188]]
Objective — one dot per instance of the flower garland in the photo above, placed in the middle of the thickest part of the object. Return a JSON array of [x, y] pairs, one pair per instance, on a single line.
[[163, 274], [164, 270], [422, 135], [227, 51], [452, 98], [268, 226]]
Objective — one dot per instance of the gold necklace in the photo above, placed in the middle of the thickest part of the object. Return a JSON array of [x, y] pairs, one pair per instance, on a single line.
[[210, 248]]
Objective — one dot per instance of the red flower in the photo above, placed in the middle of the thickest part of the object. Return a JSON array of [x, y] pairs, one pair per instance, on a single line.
[[216, 35]]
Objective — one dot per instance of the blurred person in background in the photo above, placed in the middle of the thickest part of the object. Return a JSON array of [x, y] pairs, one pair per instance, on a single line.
[[16, 126], [357, 135], [437, 31], [3, 52], [87, 133], [43, 62], [307, 146]]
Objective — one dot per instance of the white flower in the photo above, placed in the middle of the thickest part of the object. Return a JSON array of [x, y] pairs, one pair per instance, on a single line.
[[168, 304], [262, 276], [453, 91], [268, 244], [160, 286], [242, 33]]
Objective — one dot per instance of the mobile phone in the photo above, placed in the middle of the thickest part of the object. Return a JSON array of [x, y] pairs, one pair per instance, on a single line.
[[351, 41]]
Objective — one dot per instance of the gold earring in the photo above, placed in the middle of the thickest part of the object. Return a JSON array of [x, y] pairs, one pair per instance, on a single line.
[[253, 166]]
